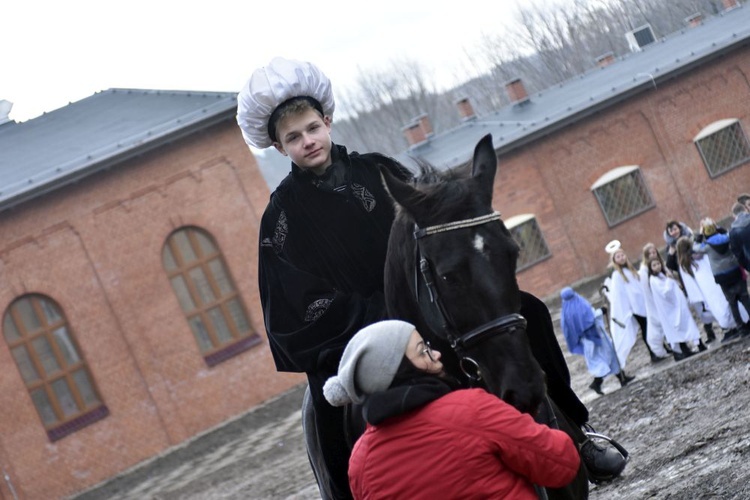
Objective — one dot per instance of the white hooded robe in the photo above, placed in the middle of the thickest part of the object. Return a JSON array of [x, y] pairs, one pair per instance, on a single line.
[[676, 319], [625, 299], [654, 332], [702, 288]]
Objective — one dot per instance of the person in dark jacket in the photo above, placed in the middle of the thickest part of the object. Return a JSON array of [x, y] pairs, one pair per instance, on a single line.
[[425, 439], [673, 232], [727, 274], [739, 235], [323, 239]]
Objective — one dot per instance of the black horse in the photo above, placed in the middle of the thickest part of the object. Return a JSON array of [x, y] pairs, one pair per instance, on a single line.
[[450, 271]]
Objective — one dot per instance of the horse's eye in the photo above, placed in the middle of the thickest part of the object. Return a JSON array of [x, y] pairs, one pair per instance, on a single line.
[[449, 278]]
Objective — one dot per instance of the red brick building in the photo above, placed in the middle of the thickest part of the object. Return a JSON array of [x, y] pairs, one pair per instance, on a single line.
[[131, 317], [128, 238]]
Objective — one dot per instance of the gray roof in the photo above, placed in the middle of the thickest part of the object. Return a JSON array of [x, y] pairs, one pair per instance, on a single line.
[[96, 133], [65, 145], [555, 107]]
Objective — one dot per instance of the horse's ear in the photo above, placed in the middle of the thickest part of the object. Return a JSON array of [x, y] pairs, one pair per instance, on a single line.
[[402, 193], [484, 166]]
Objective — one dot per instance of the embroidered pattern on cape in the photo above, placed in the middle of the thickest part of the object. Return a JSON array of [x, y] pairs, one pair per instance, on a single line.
[[363, 195], [317, 309], [279, 234]]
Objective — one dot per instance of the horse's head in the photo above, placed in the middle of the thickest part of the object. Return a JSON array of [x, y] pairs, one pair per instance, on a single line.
[[451, 271]]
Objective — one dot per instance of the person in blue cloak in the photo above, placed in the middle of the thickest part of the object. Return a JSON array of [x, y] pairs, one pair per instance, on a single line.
[[583, 329]]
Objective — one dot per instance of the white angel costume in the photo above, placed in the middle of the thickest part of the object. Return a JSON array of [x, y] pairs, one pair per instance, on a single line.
[[625, 300], [676, 319], [701, 287], [655, 333]]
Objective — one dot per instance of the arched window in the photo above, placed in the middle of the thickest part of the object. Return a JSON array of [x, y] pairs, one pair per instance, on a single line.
[[207, 295], [51, 365], [530, 239], [723, 145], [622, 194]]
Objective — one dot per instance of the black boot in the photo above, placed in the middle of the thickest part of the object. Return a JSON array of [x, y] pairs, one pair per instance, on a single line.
[[596, 385], [624, 378], [710, 335], [685, 352], [701, 346]]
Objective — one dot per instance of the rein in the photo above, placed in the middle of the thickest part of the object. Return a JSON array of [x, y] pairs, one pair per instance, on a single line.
[[507, 324]]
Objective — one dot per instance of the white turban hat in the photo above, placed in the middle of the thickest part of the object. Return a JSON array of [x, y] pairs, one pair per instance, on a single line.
[[272, 85]]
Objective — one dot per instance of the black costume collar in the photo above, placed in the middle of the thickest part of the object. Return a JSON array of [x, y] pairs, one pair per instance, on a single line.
[[336, 175]]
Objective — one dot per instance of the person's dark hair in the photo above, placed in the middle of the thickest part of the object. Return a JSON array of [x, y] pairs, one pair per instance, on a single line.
[[406, 371], [407, 374], [743, 199], [685, 254], [738, 208], [651, 272], [673, 223]]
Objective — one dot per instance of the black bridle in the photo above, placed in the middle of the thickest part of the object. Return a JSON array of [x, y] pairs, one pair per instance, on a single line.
[[439, 317]]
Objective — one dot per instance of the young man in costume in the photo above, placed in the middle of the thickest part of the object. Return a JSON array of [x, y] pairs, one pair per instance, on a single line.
[[323, 241], [323, 238]]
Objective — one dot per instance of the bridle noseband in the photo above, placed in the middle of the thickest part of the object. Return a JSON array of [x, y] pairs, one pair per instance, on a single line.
[[439, 318]]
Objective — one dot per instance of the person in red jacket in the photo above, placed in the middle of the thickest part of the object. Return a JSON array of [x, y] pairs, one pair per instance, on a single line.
[[426, 438]]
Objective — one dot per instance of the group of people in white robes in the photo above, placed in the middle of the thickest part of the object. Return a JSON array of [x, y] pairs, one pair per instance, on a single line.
[[658, 301]]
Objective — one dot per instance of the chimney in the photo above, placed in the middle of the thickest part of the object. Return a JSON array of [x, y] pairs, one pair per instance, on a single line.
[[426, 124], [516, 91], [465, 109], [694, 20], [730, 4], [414, 134], [605, 60]]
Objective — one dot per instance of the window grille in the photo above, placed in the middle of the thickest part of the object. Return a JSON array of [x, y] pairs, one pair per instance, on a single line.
[[207, 295], [722, 145], [622, 194], [526, 233], [51, 365]]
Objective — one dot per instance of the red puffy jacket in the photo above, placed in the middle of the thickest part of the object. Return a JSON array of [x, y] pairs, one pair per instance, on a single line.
[[467, 444]]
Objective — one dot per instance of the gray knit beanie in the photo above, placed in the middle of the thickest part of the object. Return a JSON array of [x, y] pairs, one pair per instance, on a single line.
[[369, 362]]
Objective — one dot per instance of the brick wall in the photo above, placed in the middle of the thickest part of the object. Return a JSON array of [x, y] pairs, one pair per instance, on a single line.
[[95, 248], [552, 177]]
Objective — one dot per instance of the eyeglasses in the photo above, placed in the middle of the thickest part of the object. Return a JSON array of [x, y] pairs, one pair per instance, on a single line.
[[427, 351]]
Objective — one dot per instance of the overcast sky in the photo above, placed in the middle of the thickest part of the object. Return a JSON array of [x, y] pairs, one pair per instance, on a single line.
[[55, 52]]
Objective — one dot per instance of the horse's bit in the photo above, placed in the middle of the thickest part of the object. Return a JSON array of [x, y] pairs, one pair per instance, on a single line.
[[460, 343]]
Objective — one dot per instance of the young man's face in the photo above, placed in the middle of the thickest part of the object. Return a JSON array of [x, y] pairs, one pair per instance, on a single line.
[[306, 139]]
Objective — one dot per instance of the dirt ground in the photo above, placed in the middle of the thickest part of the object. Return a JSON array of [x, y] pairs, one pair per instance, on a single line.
[[686, 426]]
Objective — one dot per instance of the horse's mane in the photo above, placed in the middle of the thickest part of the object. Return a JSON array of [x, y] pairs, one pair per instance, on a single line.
[[439, 187]]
